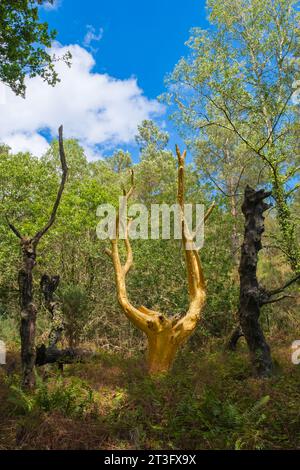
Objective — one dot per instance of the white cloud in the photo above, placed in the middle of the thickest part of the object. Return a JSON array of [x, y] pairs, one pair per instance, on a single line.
[[94, 108], [92, 35], [20, 142], [52, 6]]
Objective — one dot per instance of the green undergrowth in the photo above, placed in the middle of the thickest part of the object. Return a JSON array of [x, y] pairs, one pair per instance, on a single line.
[[210, 400]]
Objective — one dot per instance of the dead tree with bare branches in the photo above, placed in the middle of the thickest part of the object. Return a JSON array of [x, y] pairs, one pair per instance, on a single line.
[[165, 335], [29, 247]]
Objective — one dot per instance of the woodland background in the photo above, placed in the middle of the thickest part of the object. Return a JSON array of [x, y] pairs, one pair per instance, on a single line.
[[233, 101]]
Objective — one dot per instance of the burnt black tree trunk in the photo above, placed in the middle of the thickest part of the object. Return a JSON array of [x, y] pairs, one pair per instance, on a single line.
[[25, 281], [48, 287], [234, 338], [28, 312], [253, 296], [53, 355], [250, 292]]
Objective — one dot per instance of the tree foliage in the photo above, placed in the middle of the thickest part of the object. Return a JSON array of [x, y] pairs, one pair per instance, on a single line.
[[25, 44], [239, 80]]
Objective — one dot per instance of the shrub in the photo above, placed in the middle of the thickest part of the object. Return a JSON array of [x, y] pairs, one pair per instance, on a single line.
[[75, 313]]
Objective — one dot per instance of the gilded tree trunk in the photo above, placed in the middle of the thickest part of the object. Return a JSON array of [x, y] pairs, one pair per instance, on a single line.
[[162, 350]]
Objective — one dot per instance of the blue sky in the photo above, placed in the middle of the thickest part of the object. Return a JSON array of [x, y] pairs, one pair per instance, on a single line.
[[141, 38], [122, 51], [144, 39]]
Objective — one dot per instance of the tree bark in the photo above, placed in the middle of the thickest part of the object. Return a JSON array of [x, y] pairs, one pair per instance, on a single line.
[[48, 287], [250, 293], [28, 313], [163, 347]]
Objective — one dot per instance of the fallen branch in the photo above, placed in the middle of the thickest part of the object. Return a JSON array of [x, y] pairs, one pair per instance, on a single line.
[[52, 355]]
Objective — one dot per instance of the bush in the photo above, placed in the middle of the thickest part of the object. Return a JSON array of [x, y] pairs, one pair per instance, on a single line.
[[75, 313]]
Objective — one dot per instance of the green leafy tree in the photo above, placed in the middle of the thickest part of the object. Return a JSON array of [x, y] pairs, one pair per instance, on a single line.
[[119, 161], [75, 313], [227, 165], [240, 77], [24, 41], [151, 137], [156, 172]]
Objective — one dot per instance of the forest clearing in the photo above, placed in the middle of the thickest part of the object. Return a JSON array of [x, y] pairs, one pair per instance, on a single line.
[[149, 227]]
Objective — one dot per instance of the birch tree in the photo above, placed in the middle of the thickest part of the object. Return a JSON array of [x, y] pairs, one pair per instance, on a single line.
[[241, 77]]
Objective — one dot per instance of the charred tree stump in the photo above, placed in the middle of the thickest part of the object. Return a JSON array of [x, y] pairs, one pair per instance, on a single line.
[[253, 296], [48, 287], [250, 292], [234, 338]]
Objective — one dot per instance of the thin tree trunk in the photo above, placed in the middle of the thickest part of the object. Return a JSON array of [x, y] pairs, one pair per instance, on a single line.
[[234, 213], [28, 314]]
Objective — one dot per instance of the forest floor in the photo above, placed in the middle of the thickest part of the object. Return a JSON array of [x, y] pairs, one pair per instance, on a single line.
[[209, 401]]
